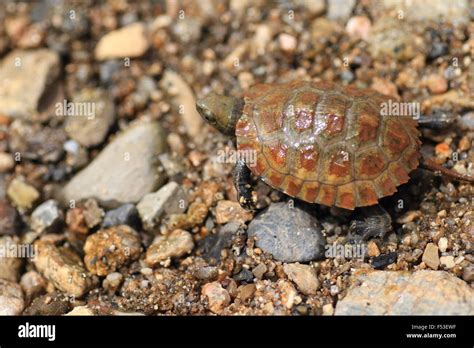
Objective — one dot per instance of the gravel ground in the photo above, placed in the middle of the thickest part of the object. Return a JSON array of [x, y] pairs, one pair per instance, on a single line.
[[111, 187]]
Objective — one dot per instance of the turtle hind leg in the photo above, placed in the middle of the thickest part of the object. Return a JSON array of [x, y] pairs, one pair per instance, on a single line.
[[242, 182], [429, 164], [376, 223]]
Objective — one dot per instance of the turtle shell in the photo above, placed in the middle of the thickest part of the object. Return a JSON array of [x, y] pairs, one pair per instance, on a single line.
[[326, 144]]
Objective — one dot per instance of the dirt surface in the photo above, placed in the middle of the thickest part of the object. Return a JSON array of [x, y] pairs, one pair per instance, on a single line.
[[132, 209]]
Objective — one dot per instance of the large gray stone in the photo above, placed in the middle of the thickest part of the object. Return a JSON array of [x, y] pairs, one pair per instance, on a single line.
[[404, 293], [124, 171], [290, 234]]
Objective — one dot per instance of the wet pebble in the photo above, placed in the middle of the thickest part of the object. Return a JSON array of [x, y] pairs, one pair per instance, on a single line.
[[289, 234], [111, 248]]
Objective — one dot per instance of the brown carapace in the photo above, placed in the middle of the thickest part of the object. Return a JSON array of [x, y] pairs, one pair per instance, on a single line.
[[327, 144]]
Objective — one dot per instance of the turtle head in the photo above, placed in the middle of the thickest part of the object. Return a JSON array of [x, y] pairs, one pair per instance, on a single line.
[[220, 111]]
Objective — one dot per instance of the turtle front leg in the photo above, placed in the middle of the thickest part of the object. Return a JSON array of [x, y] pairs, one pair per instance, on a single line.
[[242, 182], [376, 223]]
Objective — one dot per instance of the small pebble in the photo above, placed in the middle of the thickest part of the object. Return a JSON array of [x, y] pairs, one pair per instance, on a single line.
[[359, 27], [126, 214], [447, 261], [164, 248], [443, 244], [46, 217], [112, 282], [217, 296], [287, 42], [6, 162], [11, 298], [111, 248], [22, 194], [430, 256], [227, 211], [381, 261], [303, 276], [129, 41]]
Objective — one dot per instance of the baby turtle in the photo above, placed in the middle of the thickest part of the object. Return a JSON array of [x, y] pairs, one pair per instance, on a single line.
[[321, 143]]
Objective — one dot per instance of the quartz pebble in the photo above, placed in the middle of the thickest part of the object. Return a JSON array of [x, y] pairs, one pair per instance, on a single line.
[[130, 41]]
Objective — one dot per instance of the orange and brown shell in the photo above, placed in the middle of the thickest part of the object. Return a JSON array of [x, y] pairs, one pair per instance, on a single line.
[[327, 144]]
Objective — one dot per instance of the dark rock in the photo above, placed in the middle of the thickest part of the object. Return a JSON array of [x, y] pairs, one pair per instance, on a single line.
[[50, 304], [290, 234], [438, 49], [107, 71], [126, 214], [213, 244], [384, 260], [35, 142], [9, 219], [244, 276]]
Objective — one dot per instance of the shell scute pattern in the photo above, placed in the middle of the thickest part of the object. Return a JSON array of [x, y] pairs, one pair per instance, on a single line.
[[326, 144]]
